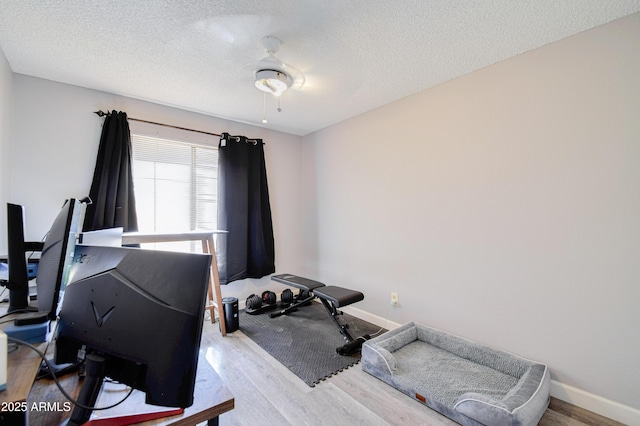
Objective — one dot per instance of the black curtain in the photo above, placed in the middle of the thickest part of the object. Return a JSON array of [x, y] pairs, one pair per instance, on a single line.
[[113, 201], [247, 250]]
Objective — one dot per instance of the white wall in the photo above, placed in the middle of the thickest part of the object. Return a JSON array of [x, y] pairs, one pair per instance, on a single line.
[[6, 77], [54, 143], [503, 206]]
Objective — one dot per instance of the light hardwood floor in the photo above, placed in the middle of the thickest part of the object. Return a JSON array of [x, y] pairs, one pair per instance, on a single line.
[[267, 393]]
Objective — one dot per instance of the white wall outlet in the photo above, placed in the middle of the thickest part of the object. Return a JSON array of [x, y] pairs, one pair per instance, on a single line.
[[394, 299]]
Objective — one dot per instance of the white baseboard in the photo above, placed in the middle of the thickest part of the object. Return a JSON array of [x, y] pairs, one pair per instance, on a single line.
[[373, 319], [597, 404]]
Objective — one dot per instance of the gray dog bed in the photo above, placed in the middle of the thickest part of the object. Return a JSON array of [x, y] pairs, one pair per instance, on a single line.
[[470, 383]]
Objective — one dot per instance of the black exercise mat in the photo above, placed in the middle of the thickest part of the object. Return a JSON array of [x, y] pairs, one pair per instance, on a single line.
[[305, 341]]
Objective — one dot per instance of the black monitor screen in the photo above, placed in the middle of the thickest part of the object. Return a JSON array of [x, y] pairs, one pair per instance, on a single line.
[[142, 312], [56, 256]]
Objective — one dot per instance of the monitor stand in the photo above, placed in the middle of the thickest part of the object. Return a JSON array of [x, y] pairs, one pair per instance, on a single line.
[[91, 386], [19, 301], [94, 369], [50, 369]]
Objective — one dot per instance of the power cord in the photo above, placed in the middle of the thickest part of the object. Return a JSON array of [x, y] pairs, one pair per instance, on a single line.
[[17, 311], [57, 382], [377, 332]]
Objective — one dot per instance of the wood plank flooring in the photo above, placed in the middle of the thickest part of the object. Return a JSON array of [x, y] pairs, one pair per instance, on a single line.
[[267, 393]]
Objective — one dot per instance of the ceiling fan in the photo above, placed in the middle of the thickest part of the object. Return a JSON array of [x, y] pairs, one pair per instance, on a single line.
[[273, 76]]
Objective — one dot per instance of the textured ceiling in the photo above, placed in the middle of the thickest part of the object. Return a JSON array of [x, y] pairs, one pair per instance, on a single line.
[[356, 55]]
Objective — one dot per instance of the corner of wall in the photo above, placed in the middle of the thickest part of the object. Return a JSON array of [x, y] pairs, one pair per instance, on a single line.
[[6, 82]]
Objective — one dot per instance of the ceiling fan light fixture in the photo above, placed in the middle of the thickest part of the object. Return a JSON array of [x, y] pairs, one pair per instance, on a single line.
[[272, 81]]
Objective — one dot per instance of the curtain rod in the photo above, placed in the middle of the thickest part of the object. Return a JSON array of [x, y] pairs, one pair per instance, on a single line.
[[101, 113]]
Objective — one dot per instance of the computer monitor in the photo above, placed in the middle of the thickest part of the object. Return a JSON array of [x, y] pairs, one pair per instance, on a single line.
[[56, 257], [17, 247], [138, 316]]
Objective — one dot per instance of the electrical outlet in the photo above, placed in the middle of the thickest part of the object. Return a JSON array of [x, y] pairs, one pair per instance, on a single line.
[[394, 299]]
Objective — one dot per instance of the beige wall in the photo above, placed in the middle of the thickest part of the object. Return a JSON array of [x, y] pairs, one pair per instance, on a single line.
[[502, 206]]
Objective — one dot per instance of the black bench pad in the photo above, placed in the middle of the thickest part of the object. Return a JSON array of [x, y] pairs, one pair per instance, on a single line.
[[339, 296], [297, 282]]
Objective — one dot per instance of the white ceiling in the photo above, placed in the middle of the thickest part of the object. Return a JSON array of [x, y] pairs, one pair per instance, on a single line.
[[356, 55]]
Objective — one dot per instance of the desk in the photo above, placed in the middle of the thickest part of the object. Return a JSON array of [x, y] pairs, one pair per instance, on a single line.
[[211, 399], [213, 303], [22, 366]]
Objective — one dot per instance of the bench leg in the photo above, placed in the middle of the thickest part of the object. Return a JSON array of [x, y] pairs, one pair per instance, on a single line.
[[353, 345], [334, 316]]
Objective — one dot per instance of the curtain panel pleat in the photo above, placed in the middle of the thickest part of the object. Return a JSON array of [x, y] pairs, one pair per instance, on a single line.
[[113, 200], [248, 249]]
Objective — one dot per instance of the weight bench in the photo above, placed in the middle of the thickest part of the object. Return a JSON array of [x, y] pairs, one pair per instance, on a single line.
[[332, 297]]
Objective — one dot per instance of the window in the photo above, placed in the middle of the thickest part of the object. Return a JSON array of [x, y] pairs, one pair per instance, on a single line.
[[175, 184]]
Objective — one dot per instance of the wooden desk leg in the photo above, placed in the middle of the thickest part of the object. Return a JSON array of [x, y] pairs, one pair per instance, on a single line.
[[214, 281], [211, 302]]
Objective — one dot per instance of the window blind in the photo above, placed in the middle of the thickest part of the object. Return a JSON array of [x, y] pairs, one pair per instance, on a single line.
[[176, 186]]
